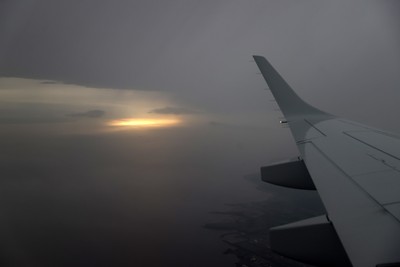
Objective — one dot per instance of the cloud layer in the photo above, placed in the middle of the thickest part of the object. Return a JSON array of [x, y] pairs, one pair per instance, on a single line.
[[173, 110], [96, 113]]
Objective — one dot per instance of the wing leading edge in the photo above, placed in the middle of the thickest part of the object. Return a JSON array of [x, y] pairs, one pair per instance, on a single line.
[[356, 170]]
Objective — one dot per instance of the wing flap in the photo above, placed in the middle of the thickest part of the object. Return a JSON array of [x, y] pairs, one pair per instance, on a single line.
[[384, 187]]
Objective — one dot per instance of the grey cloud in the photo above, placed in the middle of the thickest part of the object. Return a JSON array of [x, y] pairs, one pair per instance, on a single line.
[[218, 124], [31, 113], [120, 50], [173, 110], [227, 125], [96, 113], [50, 82]]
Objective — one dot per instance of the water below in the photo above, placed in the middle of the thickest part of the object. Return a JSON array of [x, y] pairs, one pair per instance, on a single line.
[[165, 198]]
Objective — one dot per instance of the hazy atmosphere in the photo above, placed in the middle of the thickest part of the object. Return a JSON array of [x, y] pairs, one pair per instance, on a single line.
[[132, 132]]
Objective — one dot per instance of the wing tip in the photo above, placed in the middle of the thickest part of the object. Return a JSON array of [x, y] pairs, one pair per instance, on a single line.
[[289, 102], [258, 57]]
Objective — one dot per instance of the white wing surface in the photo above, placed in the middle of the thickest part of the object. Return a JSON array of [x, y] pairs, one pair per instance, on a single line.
[[356, 170]]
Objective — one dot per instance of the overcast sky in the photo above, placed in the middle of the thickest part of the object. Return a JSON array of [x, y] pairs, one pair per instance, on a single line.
[[73, 74], [331, 52]]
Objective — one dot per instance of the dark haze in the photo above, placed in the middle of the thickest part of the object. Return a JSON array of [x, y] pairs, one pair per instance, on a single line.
[[76, 192]]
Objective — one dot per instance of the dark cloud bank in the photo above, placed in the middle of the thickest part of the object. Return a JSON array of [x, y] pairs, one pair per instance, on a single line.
[[173, 110], [96, 113]]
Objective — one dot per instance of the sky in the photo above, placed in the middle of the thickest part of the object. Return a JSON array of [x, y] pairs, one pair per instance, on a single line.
[[124, 123]]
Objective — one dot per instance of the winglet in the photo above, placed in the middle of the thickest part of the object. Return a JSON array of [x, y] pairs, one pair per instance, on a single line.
[[289, 102]]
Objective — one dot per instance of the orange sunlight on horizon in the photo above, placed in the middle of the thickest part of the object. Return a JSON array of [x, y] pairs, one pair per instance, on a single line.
[[144, 122]]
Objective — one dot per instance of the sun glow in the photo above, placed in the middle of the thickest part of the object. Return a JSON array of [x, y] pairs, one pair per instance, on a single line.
[[144, 123]]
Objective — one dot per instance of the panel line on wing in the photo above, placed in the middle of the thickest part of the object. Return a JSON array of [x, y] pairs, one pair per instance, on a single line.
[[391, 203], [367, 144], [372, 172], [384, 162], [313, 126]]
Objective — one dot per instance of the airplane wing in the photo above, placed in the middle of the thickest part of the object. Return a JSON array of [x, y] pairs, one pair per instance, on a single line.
[[356, 171]]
